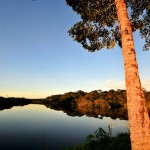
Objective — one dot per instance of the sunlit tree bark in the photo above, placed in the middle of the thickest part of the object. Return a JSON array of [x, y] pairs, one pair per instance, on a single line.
[[137, 110], [99, 29]]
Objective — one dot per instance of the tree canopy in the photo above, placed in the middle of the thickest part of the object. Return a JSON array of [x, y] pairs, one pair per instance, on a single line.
[[99, 28]]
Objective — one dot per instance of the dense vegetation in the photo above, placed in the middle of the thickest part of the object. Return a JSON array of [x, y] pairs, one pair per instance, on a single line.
[[102, 140], [106, 103], [96, 103], [99, 25]]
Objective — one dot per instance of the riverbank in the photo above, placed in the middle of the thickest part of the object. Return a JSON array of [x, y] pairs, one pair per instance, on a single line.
[[7, 103], [96, 103]]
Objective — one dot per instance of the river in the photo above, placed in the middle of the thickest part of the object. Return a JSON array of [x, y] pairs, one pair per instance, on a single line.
[[32, 127]]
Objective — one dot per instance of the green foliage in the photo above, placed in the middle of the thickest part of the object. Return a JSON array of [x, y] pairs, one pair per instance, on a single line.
[[101, 140], [98, 27], [120, 142], [140, 18], [98, 140]]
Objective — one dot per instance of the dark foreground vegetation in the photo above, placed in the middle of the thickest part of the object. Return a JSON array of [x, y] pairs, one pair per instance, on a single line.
[[96, 103], [101, 140]]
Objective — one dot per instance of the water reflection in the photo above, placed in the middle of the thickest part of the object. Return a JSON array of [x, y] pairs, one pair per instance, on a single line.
[[35, 126]]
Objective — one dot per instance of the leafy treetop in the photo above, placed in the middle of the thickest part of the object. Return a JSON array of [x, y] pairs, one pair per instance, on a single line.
[[98, 27]]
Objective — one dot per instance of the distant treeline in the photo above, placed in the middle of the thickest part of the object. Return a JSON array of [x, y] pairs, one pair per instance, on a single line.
[[111, 103], [96, 103], [7, 103]]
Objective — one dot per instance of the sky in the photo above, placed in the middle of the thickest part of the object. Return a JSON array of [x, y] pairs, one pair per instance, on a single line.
[[38, 58]]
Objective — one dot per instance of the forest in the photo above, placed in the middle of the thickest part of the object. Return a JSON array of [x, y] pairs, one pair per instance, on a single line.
[[97, 103]]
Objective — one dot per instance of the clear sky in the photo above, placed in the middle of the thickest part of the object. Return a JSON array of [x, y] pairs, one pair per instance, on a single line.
[[38, 58]]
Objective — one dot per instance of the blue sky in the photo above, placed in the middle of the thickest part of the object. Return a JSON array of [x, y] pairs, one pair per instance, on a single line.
[[38, 58]]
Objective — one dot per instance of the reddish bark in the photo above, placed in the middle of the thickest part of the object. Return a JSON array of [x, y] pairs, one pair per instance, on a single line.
[[136, 103]]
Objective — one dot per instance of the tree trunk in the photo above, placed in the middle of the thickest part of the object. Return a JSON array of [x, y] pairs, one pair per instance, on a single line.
[[137, 111]]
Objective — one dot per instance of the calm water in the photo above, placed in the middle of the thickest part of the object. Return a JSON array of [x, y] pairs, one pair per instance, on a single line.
[[33, 127]]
